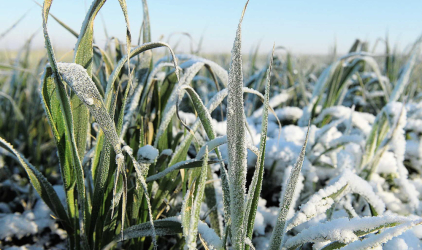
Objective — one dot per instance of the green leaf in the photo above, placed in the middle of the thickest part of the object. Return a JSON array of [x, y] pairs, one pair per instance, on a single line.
[[206, 119], [180, 165], [201, 110], [84, 55], [196, 205], [84, 49], [69, 131], [100, 187], [141, 182], [43, 187], [163, 227], [57, 122], [256, 184], [170, 108]]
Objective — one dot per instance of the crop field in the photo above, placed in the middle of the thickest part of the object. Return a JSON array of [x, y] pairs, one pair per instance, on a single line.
[[132, 145]]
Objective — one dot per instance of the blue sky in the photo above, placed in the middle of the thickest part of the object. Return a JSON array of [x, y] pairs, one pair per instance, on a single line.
[[305, 27]]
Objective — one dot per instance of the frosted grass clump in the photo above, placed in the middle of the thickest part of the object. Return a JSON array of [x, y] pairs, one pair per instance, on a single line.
[[343, 172]]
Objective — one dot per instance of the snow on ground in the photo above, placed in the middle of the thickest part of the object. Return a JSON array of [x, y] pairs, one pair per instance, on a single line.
[[32, 222], [336, 149]]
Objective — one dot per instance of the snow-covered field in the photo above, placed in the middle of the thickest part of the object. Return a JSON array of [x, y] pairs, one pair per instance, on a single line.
[[283, 152]]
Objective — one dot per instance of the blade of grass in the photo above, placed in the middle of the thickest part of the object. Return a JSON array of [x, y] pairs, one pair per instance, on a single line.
[[67, 111], [146, 31], [43, 187], [2, 35], [74, 33], [163, 227], [18, 113], [403, 81], [205, 118], [134, 52], [196, 205], [57, 122], [280, 227], [84, 55], [170, 108], [256, 184], [180, 165], [378, 239], [236, 142]]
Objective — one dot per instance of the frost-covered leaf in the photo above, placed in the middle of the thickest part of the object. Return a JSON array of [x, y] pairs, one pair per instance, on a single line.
[[280, 227], [257, 179], [42, 186], [80, 82], [196, 206], [117, 70], [69, 127], [404, 77], [378, 239], [320, 202], [236, 142], [343, 231], [170, 108], [84, 56]]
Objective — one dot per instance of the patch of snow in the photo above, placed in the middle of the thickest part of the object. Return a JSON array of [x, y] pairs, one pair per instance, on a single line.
[[147, 154]]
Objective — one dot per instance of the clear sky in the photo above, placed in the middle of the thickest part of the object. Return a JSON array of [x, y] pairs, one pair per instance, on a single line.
[[306, 27]]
